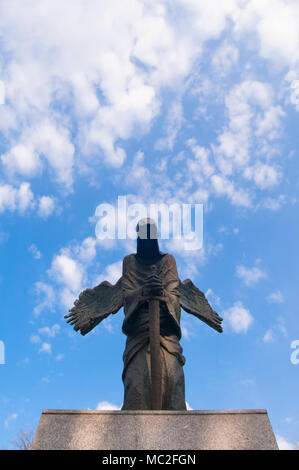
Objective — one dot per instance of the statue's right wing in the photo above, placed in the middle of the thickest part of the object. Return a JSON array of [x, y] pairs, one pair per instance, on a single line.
[[94, 305], [193, 301]]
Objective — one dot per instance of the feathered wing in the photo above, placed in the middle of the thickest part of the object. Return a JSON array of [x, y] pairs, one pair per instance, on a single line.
[[94, 305], [194, 301]]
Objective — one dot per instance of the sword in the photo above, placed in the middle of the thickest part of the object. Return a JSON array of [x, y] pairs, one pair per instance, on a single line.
[[154, 334]]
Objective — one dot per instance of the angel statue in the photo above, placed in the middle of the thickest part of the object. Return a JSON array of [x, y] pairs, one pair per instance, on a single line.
[[152, 295]]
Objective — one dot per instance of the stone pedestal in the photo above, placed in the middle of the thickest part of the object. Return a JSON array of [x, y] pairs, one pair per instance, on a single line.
[[154, 430]]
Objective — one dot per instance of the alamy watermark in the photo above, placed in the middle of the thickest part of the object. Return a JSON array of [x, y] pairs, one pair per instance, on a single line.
[[182, 222], [2, 92], [295, 353], [2, 353]]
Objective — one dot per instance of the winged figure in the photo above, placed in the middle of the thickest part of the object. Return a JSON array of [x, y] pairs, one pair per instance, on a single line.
[[145, 274]]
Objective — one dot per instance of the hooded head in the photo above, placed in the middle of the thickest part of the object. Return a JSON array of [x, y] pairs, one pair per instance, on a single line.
[[147, 240]]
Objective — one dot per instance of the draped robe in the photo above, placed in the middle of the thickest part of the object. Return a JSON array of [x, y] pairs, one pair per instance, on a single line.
[[137, 368]]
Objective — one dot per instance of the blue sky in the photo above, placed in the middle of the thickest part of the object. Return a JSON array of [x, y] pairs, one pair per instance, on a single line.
[[183, 101]]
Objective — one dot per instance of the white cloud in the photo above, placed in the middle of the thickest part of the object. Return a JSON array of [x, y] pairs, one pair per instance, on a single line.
[[264, 175], [112, 273], [21, 199], [269, 336], [276, 25], [35, 339], [2, 92], [278, 330], [16, 199], [234, 146], [238, 318], [34, 251], [45, 348], [47, 292], [250, 276], [201, 165], [51, 332], [269, 124], [73, 61], [275, 297], [46, 206], [187, 327], [69, 273], [9, 419], [105, 405], [284, 444], [224, 187], [225, 57], [189, 406], [59, 357], [138, 174], [210, 294], [86, 252], [67, 270], [72, 101], [21, 159], [175, 119], [289, 420], [272, 204], [189, 262], [46, 139]]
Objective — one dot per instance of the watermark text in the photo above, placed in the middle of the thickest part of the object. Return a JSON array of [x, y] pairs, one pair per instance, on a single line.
[[2, 353], [175, 221], [295, 353]]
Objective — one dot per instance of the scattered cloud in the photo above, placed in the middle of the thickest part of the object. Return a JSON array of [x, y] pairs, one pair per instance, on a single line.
[[46, 206], [10, 419], [35, 339], [16, 199], [269, 336], [34, 251], [238, 318], [212, 297], [51, 332], [277, 330], [59, 357], [175, 119], [250, 276], [105, 405], [112, 273], [69, 274], [112, 86], [284, 444], [187, 328], [275, 297], [47, 295], [225, 57], [45, 348]]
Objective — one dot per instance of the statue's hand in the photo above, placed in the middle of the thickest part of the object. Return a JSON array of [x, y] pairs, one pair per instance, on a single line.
[[153, 286]]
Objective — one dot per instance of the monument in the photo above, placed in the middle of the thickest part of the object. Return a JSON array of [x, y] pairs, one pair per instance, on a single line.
[[154, 409], [152, 296]]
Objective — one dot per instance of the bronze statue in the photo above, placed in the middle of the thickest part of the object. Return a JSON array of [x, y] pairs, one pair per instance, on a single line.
[[152, 296]]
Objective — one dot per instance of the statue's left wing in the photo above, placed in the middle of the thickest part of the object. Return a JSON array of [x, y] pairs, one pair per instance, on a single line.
[[194, 301], [94, 305]]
